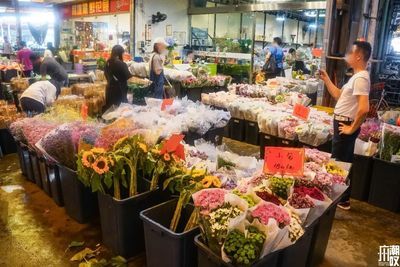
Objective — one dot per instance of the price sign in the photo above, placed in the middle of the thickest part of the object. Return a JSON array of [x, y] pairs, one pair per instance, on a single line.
[[173, 145], [166, 102], [301, 111], [284, 160]]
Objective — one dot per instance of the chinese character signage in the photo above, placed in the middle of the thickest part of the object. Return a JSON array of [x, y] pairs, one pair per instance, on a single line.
[[284, 161], [97, 7]]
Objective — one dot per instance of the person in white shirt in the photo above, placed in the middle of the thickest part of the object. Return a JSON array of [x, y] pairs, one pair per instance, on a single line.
[[7, 48], [38, 96], [352, 106]]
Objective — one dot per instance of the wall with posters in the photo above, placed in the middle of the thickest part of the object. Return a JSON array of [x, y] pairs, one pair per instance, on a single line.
[[176, 11]]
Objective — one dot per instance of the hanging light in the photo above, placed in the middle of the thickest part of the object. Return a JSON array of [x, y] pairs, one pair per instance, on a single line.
[[280, 17]]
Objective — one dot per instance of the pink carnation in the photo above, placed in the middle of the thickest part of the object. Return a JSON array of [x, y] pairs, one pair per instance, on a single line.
[[266, 211], [209, 199]]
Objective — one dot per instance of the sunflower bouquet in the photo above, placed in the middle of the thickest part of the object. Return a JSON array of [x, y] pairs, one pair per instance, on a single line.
[[104, 170]]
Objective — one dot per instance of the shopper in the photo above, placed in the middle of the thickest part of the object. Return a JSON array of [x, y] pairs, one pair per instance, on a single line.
[[50, 50], [274, 59], [299, 64], [7, 48], [291, 57], [49, 66], [37, 97], [157, 67], [117, 75], [352, 106], [23, 57]]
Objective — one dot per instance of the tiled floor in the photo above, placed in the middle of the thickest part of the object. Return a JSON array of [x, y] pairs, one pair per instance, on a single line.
[[36, 232]]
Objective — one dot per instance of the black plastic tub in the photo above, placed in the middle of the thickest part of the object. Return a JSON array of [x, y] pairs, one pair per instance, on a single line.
[[35, 168], [207, 258], [7, 142], [214, 136], [193, 94], [385, 185], [21, 158], [361, 171], [266, 140], [297, 254], [313, 97], [27, 163], [227, 130], [53, 175], [121, 226], [79, 201], [326, 147], [44, 176], [282, 142], [178, 248], [208, 90], [252, 133], [237, 129]]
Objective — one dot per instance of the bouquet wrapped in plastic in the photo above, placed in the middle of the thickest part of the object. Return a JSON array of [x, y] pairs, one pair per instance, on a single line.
[[389, 146], [63, 143]]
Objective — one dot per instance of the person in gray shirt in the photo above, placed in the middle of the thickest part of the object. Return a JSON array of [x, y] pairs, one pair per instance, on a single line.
[[49, 66]]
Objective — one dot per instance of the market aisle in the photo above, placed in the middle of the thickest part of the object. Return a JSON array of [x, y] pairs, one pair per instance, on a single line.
[[38, 232]]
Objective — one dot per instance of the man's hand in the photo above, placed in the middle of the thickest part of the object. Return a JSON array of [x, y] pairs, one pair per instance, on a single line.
[[345, 129]]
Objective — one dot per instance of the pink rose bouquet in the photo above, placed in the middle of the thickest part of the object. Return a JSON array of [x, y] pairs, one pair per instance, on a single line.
[[209, 199], [266, 211]]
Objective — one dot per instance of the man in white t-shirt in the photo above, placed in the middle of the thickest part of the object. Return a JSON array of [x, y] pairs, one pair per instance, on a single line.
[[38, 96], [352, 106]]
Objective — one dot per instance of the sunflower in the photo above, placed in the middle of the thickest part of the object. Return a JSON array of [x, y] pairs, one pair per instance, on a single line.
[[167, 157], [210, 180], [98, 150], [143, 147], [100, 166], [87, 159], [120, 141], [196, 173]]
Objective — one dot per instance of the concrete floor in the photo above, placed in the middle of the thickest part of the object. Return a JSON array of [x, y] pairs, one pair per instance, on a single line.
[[34, 231]]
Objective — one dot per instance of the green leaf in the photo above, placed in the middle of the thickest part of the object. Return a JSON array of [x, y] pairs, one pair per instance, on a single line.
[[94, 263], [118, 261], [85, 253], [75, 244], [107, 180]]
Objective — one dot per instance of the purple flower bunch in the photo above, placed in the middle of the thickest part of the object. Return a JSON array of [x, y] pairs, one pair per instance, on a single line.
[[35, 129], [319, 157], [370, 129]]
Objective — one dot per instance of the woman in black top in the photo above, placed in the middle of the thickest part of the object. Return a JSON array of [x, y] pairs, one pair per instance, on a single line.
[[117, 75]]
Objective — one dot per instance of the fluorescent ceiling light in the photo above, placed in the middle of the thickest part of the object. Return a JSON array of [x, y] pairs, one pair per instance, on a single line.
[[313, 14], [313, 26], [280, 18]]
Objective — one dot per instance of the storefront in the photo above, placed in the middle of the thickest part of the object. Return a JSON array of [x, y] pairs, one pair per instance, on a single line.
[[96, 25]]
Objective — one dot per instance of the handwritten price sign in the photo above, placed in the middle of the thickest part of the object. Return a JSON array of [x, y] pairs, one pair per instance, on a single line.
[[301, 111], [166, 102], [284, 160]]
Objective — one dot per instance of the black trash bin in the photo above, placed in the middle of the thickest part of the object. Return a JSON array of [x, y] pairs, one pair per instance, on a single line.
[[361, 171], [79, 201], [385, 185], [53, 174], [252, 133], [7, 142], [178, 248], [44, 176], [35, 168], [121, 226], [237, 129], [266, 140]]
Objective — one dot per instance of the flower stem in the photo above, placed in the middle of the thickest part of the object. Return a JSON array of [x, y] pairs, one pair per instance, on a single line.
[[117, 193], [133, 182], [177, 214], [192, 222]]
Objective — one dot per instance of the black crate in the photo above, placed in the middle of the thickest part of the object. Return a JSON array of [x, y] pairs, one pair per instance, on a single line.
[[252, 133], [44, 176], [121, 226], [282, 142], [326, 147], [35, 168], [207, 258], [208, 90], [213, 136], [178, 248], [80, 202], [7, 142], [313, 97], [53, 175], [266, 140], [237, 129], [360, 176], [385, 185], [21, 158], [193, 94], [27, 163]]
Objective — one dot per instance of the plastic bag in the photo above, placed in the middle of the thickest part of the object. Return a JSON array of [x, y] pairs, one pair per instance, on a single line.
[[389, 146]]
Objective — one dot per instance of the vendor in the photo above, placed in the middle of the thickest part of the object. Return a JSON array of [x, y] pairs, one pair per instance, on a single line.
[[23, 57], [291, 57], [299, 64], [38, 96], [157, 67], [352, 106], [49, 66], [189, 57], [117, 75]]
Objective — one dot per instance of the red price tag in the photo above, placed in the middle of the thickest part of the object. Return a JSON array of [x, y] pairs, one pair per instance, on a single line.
[[301, 111], [166, 102], [284, 160], [173, 145]]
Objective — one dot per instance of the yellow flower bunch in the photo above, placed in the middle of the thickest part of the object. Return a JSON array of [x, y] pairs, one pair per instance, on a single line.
[[333, 168], [97, 160], [211, 181]]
